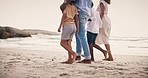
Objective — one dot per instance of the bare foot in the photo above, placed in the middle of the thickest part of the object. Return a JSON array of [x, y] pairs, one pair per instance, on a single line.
[[105, 54], [92, 59], [109, 59], [78, 58], [64, 62], [70, 61], [86, 61]]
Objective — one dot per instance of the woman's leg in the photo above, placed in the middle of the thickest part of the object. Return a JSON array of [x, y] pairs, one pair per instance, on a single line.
[[110, 58]]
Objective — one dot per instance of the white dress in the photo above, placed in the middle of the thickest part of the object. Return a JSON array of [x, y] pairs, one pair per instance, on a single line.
[[104, 34]]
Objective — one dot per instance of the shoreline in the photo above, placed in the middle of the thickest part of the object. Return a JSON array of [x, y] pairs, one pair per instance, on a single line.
[[24, 63]]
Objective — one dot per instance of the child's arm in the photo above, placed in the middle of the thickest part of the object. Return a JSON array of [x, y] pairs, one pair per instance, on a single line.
[[77, 23], [62, 22]]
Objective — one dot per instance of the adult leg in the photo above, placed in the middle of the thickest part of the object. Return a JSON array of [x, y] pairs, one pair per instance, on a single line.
[[82, 38], [110, 58], [81, 35], [78, 45]]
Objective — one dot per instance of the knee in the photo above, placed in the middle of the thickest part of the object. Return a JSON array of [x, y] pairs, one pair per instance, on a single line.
[[82, 36], [93, 45], [61, 43]]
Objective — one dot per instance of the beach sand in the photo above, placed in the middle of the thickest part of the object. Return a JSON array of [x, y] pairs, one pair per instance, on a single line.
[[23, 63]]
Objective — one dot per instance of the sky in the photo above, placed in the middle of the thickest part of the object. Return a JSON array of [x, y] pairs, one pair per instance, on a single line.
[[128, 17]]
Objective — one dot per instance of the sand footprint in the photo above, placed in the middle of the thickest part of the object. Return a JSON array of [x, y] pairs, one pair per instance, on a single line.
[[64, 74]]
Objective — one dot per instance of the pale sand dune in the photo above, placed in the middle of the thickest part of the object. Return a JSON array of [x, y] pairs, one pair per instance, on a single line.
[[22, 63]]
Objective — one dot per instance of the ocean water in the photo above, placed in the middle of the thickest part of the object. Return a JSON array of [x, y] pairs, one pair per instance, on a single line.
[[51, 43]]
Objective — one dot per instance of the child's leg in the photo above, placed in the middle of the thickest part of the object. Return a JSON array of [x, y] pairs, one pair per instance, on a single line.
[[73, 54], [69, 54], [90, 42], [65, 46], [102, 50], [69, 49], [91, 52]]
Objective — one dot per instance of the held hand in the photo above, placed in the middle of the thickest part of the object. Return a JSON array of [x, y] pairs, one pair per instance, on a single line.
[[77, 31]]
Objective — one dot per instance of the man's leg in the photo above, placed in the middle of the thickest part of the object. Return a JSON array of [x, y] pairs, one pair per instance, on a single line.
[[82, 36]]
